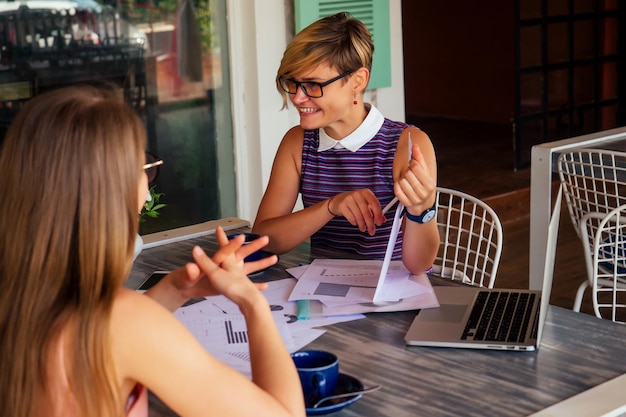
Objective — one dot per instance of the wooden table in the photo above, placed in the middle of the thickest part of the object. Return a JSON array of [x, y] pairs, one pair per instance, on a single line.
[[577, 352]]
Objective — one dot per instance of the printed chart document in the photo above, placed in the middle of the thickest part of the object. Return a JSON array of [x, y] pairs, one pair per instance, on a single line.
[[347, 281], [221, 329], [419, 294], [225, 336]]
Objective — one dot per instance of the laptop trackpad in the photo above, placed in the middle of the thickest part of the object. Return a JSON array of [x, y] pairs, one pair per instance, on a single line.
[[448, 313]]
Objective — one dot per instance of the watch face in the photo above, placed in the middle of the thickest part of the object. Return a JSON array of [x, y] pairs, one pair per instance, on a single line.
[[428, 216]]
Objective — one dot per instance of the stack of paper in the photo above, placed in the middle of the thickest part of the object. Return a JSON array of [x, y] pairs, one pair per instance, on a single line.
[[221, 329], [337, 286]]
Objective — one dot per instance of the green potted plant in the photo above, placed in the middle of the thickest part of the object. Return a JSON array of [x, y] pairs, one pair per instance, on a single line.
[[150, 210], [152, 206]]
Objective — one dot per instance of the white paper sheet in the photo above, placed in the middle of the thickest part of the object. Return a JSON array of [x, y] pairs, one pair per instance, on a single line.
[[385, 291], [425, 298], [420, 294], [349, 281], [220, 327], [344, 282]]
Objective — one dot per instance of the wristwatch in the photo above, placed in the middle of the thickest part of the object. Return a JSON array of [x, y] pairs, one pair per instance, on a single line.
[[426, 216]]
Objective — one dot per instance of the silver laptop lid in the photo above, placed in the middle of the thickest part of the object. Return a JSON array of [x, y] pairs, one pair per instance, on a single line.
[[548, 269], [443, 326]]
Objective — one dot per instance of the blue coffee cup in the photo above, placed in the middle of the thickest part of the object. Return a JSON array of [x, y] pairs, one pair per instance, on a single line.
[[249, 237], [318, 371]]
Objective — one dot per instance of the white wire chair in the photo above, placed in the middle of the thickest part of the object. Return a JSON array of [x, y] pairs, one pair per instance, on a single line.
[[608, 275], [470, 239], [594, 183]]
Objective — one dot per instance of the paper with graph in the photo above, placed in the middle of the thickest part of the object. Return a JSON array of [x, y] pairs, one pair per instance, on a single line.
[[337, 282], [220, 327]]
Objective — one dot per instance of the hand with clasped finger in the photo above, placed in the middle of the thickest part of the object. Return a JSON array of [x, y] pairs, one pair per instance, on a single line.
[[361, 208], [415, 188], [226, 268]]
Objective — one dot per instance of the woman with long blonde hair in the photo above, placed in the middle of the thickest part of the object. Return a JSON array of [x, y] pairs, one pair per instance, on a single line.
[[73, 341]]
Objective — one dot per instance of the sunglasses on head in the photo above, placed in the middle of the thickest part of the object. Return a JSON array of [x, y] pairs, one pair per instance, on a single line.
[[152, 166]]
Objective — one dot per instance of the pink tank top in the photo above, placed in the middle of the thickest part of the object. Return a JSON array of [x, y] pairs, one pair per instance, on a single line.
[[137, 404]]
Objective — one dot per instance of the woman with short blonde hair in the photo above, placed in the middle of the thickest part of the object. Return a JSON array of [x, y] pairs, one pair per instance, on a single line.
[[345, 160]]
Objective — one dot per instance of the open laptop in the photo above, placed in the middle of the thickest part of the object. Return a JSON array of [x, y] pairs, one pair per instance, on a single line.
[[482, 318]]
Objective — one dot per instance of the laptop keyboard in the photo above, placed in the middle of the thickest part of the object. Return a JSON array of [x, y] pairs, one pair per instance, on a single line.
[[500, 316]]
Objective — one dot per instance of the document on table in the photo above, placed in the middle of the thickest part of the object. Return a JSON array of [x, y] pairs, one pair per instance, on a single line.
[[419, 294], [349, 281], [225, 336], [221, 329]]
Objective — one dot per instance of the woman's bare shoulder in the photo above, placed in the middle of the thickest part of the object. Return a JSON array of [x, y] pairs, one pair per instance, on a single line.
[[293, 139], [141, 327], [417, 135], [133, 311]]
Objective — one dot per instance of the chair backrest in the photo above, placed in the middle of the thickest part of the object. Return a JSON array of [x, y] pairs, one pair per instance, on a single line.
[[594, 180], [471, 239], [608, 282], [594, 183]]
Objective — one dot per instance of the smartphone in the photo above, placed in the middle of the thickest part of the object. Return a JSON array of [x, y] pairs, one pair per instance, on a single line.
[[157, 276], [152, 280]]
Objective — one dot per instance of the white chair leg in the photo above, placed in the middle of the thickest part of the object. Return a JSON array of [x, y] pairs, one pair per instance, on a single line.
[[579, 295]]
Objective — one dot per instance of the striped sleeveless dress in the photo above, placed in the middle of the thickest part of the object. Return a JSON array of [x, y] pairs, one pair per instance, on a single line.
[[335, 170]]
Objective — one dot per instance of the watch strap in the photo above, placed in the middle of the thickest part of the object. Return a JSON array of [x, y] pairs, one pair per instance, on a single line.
[[426, 216]]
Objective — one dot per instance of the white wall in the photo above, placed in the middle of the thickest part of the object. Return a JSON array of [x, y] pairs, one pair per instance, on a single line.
[[258, 34]]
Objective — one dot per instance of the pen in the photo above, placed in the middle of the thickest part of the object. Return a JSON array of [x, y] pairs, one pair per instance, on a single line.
[[395, 199], [388, 206]]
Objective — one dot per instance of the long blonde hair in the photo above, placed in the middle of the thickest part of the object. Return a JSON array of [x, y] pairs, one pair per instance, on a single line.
[[69, 173]]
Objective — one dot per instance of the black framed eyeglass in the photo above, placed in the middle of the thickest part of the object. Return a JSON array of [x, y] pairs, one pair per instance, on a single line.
[[309, 88], [152, 166]]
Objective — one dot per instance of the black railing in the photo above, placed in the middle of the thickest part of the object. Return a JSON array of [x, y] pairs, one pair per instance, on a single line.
[[568, 62]]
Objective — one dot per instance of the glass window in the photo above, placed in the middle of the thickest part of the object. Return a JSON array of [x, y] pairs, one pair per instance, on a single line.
[[169, 60]]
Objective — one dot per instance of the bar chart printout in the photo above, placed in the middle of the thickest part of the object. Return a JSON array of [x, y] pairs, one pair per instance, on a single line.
[[221, 329], [348, 281], [223, 332], [234, 336]]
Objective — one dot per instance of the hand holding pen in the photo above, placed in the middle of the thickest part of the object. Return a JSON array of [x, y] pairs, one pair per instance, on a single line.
[[395, 199], [390, 205], [416, 186]]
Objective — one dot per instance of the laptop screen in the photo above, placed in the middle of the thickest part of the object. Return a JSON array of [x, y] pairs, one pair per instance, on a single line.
[[548, 271]]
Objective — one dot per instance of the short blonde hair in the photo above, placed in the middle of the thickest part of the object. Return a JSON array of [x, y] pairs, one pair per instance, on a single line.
[[340, 41]]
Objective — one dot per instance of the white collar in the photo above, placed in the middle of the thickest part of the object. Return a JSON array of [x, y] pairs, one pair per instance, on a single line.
[[361, 135]]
